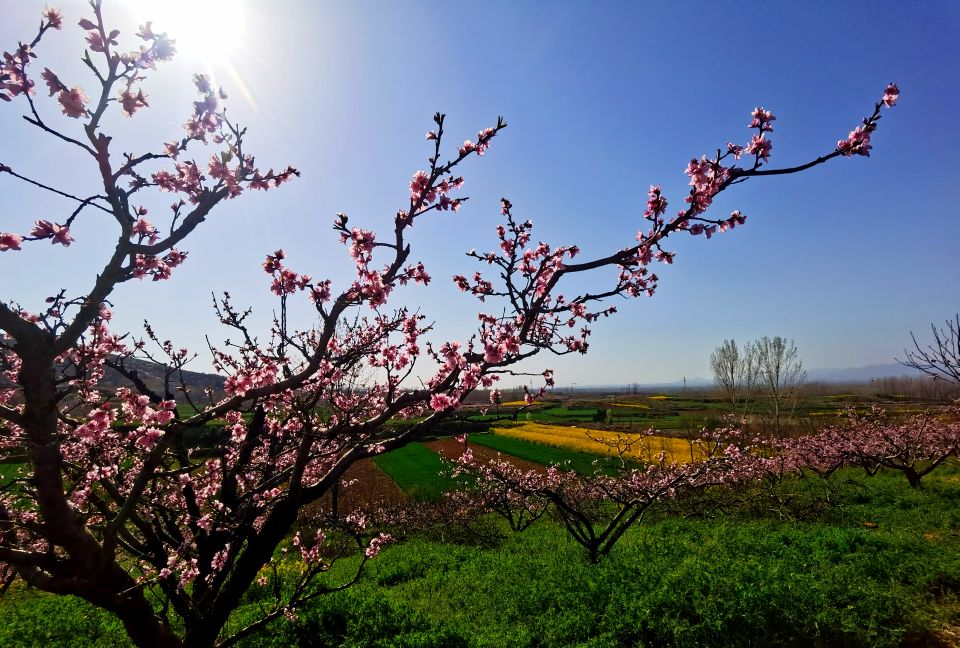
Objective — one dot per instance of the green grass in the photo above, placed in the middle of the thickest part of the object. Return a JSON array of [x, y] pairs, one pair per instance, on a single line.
[[8, 472], [418, 470], [582, 462], [729, 581], [33, 618], [733, 580]]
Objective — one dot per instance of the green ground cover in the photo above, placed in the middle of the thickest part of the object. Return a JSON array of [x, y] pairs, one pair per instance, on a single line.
[[732, 580], [418, 470], [735, 580], [582, 462], [8, 472]]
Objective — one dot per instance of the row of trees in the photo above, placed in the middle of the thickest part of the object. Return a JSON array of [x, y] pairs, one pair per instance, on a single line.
[[113, 504], [770, 367], [598, 509]]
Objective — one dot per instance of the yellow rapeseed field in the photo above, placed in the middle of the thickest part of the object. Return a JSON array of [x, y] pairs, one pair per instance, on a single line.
[[643, 447], [637, 405]]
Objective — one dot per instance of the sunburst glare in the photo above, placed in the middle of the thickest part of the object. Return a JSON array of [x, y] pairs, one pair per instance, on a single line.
[[206, 30]]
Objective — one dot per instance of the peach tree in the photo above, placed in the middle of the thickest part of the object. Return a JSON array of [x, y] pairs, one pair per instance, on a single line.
[[112, 502]]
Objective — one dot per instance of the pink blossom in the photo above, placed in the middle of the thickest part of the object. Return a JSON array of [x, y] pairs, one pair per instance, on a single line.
[[760, 146], [164, 180], [149, 437], [218, 168], [59, 233], [174, 257], [53, 17], [10, 241], [146, 31], [761, 120], [132, 102], [857, 143], [656, 203], [142, 227], [492, 354], [321, 292], [96, 40], [418, 273], [443, 402], [377, 544], [420, 189], [53, 82], [362, 242], [707, 178], [202, 82], [219, 561], [73, 102], [891, 95], [164, 48]]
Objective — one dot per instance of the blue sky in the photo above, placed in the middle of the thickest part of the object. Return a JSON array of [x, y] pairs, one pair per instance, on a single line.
[[603, 99]]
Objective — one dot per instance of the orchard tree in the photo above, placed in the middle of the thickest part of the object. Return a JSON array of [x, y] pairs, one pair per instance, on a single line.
[[872, 440], [112, 503], [941, 358], [596, 510]]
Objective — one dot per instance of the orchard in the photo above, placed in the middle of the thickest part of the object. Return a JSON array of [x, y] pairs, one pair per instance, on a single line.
[[113, 504]]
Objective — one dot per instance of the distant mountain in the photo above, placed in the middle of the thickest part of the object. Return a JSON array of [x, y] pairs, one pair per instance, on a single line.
[[848, 375], [861, 374], [197, 381], [152, 374]]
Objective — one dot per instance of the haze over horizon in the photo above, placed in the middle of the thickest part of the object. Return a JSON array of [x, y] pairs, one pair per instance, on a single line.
[[846, 259]]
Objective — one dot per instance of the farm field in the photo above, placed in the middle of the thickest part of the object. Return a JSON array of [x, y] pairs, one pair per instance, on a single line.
[[451, 450], [418, 471], [879, 567], [634, 446], [582, 462], [682, 415]]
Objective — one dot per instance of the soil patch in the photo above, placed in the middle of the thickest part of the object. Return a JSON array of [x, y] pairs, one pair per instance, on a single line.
[[451, 449], [366, 487]]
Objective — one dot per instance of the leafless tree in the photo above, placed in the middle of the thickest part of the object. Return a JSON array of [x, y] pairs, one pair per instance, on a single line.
[[735, 371], [941, 359], [780, 371]]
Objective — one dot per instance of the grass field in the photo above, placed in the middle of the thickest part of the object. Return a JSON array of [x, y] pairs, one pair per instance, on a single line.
[[418, 470], [735, 580], [8, 471], [583, 463]]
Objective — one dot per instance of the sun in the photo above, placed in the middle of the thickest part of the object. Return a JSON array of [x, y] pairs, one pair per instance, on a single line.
[[205, 30]]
